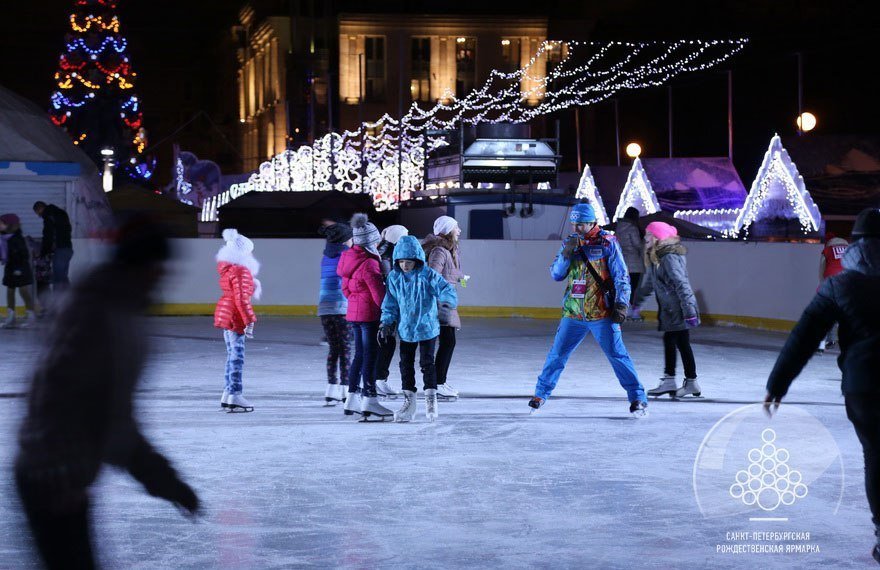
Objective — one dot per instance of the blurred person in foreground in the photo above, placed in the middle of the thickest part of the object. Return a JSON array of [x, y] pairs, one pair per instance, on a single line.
[[850, 300], [80, 410]]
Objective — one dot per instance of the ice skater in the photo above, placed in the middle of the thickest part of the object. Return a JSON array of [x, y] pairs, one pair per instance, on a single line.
[[849, 299], [596, 301], [17, 273], [332, 306], [667, 278], [362, 285], [829, 266], [79, 413], [632, 244], [444, 257], [234, 314], [411, 306], [390, 236]]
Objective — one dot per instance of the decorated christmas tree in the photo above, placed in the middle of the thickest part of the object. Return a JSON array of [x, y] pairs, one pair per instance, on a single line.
[[95, 101]]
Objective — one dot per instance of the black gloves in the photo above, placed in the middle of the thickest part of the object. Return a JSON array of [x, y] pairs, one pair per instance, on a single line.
[[571, 245], [386, 333], [619, 313]]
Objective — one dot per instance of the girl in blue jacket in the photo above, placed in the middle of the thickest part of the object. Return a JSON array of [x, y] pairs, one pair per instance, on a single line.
[[413, 292]]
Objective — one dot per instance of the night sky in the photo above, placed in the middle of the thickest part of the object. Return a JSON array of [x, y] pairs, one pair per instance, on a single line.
[[182, 53]]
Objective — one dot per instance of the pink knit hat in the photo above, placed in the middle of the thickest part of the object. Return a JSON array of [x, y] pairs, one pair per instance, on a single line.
[[661, 230]]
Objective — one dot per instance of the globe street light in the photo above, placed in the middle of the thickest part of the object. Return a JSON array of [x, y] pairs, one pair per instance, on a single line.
[[633, 150], [806, 122]]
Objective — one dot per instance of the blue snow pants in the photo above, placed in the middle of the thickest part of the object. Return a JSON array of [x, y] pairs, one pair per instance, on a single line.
[[234, 360], [569, 335]]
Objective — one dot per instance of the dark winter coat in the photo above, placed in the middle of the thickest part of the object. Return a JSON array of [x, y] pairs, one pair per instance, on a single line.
[[79, 410], [444, 257], [56, 230], [668, 279], [361, 284], [632, 244], [17, 272], [850, 299], [331, 301], [386, 257]]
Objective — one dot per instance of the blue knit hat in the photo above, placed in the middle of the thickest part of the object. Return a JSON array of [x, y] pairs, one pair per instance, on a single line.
[[582, 213]]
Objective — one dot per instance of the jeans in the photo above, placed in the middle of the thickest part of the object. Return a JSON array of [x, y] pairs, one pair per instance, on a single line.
[[62, 536], [363, 365], [426, 363], [569, 335], [60, 267], [445, 348], [861, 409], [234, 360], [634, 280], [383, 360], [680, 340], [338, 335]]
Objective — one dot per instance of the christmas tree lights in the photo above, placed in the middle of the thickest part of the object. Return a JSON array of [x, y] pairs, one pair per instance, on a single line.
[[778, 191], [637, 193], [587, 190], [94, 100]]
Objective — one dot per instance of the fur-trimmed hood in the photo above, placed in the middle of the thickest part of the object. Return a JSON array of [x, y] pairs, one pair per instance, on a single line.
[[230, 254], [662, 248]]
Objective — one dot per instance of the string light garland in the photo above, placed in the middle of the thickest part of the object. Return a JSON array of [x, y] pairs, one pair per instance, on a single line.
[[391, 152], [637, 193], [588, 191], [95, 71]]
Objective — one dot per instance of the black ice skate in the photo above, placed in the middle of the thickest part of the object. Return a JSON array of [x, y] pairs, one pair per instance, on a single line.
[[638, 409], [535, 403]]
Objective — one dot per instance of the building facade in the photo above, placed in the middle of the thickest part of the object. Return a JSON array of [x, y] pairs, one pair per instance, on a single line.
[[305, 69]]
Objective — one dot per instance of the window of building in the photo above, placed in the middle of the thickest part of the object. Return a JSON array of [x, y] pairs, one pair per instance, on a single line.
[[465, 66], [510, 54], [420, 71], [374, 68]]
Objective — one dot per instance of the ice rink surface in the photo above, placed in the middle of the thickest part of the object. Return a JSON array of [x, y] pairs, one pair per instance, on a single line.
[[578, 485]]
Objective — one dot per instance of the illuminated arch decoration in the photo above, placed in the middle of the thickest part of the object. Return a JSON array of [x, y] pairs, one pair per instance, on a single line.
[[588, 191], [778, 191], [386, 158], [637, 193]]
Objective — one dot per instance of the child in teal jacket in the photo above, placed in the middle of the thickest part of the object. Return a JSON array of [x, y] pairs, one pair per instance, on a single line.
[[413, 292]]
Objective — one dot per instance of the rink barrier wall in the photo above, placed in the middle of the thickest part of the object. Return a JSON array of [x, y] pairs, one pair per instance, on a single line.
[[759, 285]]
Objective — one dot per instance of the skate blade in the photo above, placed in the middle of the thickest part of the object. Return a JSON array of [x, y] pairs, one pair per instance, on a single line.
[[447, 398], [331, 403], [639, 414], [658, 394], [239, 409], [371, 417]]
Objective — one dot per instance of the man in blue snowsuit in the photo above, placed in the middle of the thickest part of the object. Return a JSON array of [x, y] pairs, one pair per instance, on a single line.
[[595, 302]]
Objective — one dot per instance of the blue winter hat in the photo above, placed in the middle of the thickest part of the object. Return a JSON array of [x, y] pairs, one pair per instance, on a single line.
[[582, 213]]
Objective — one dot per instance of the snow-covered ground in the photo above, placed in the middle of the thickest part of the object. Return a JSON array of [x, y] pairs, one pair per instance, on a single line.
[[578, 485]]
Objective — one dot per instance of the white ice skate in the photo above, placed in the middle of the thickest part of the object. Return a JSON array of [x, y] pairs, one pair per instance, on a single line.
[[334, 394], [446, 393], [224, 400], [352, 404], [431, 405], [29, 320], [689, 388], [237, 403], [407, 412], [822, 345], [9, 323], [374, 411], [667, 386], [384, 389], [638, 410]]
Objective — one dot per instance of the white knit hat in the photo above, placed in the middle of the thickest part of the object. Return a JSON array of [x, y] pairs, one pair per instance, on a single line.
[[392, 234], [237, 241], [444, 225]]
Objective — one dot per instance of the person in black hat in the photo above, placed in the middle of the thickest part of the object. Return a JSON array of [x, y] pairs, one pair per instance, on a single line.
[[849, 299]]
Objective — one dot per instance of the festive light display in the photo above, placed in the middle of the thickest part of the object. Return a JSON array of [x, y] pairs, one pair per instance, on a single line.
[[722, 220], [587, 190], [95, 81], [391, 152], [778, 192], [637, 193]]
